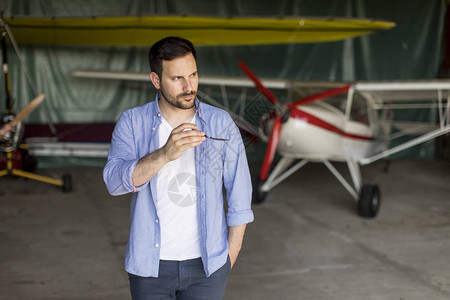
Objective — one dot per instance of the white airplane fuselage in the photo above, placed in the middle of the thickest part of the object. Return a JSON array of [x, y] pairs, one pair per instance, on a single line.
[[320, 131]]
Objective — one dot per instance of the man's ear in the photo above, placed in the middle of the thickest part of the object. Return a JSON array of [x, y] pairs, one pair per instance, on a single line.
[[155, 80]]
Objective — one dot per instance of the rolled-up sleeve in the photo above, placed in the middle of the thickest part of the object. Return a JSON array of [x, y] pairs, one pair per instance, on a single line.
[[237, 179], [122, 159]]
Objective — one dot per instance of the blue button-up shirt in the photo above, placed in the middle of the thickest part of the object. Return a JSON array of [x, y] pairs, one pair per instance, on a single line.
[[218, 164]]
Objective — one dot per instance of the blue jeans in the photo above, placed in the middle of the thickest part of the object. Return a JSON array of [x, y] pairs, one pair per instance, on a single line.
[[181, 280]]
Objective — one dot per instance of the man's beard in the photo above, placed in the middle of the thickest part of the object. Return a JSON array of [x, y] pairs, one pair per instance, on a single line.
[[177, 102]]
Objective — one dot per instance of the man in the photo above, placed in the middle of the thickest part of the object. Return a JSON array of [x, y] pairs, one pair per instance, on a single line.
[[174, 155]]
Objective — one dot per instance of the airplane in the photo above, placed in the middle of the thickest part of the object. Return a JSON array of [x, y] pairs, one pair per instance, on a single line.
[[352, 123]]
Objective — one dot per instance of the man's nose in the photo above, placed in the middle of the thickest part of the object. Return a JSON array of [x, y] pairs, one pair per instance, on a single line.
[[188, 86]]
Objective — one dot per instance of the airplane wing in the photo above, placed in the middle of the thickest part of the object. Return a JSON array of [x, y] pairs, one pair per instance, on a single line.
[[406, 90], [202, 31], [432, 96]]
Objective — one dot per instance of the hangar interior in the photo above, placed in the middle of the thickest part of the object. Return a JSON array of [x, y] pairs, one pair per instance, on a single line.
[[307, 242]]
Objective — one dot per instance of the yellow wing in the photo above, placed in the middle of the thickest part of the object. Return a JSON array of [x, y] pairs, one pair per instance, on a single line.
[[202, 31]]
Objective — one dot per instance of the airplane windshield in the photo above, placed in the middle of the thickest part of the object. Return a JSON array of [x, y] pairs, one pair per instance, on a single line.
[[337, 101], [358, 111]]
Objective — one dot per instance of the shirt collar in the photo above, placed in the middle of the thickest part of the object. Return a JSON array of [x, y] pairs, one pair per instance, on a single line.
[[198, 108]]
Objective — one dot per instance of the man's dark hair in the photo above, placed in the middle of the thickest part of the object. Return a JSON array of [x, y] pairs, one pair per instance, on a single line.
[[169, 48]]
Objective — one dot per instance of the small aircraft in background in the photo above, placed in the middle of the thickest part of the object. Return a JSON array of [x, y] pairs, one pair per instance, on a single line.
[[14, 155], [352, 123]]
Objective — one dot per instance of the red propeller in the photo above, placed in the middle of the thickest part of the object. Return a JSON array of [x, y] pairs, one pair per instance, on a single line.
[[266, 92], [279, 119], [271, 148], [276, 128]]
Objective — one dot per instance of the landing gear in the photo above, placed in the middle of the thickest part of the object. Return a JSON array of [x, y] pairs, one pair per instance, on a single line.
[[369, 201], [368, 196]]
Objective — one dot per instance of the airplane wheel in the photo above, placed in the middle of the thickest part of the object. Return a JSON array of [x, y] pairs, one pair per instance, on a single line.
[[67, 183], [369, 201], [258, 196]]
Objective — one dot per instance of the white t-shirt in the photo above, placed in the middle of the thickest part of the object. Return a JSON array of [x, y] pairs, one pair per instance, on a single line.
[[176, 204]]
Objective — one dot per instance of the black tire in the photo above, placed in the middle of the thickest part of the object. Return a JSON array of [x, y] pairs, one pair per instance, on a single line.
[[369, 201], [258, 195], [67, 183]]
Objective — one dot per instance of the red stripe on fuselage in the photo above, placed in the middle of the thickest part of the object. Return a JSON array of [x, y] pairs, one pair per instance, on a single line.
[[311, 119]]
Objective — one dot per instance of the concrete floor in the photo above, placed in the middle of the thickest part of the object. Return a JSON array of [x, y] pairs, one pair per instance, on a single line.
[[306, 242]]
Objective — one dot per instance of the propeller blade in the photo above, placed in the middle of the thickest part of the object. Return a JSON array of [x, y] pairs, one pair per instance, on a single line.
[[319, 96], [23, 113], [265, 91], [271, 148]]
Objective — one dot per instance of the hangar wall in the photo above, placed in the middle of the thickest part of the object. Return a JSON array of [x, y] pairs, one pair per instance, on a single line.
[[411, 50]]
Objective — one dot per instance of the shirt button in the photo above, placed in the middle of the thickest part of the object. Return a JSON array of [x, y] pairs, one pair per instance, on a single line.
[[153, 128], [156, 245], [156, 221], [159, 114]]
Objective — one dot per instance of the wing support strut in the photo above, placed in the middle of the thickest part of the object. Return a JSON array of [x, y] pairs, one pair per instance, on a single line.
[[353, 191], [421, 139], [277, 175]]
